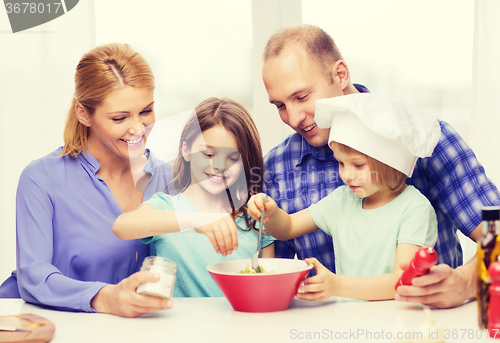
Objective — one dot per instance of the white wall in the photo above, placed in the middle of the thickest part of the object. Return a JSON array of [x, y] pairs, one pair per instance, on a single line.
[[36, 75], [485, 118]]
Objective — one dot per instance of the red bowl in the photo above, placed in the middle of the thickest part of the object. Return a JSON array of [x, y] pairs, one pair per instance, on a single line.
[[267, 292]]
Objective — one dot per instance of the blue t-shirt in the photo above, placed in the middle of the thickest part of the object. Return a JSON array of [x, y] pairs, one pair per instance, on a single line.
[[192, 252]]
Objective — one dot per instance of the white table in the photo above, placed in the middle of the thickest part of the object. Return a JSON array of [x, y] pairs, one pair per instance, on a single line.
[[214, 320]]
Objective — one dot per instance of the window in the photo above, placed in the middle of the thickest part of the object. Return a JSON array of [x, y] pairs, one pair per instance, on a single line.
[[415, 51], [197, 49]]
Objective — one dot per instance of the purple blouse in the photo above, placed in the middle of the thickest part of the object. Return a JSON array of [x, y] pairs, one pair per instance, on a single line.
[[66, 249]]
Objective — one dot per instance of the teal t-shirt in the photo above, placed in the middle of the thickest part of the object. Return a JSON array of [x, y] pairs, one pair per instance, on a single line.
[[365, 241], [192, 252]]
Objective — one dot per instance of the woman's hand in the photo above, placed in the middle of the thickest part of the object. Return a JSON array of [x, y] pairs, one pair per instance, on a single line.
[[256, 205], [320, 286], [122, 299], [222, 233]]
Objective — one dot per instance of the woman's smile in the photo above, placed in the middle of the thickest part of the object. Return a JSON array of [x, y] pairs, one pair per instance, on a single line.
[[133, 142]]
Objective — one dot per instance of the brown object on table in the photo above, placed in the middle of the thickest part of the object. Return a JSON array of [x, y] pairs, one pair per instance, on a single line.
[[41, 329]]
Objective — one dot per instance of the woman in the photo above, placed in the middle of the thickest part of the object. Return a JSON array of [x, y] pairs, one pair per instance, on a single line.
[[67, 201]]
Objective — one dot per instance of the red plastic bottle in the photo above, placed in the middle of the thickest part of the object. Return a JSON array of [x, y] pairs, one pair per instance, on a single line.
[[423, 260], [494, 306]]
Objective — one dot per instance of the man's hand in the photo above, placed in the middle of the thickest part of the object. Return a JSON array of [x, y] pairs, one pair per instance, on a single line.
[[442, 287]]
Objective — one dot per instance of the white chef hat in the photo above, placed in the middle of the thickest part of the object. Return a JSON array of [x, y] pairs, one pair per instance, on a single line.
[[387, 129]]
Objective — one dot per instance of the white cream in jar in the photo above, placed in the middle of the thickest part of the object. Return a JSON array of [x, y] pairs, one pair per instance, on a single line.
[[165, 269]]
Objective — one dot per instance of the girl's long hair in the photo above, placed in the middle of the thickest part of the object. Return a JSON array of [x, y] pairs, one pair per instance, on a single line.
[[235, 119]]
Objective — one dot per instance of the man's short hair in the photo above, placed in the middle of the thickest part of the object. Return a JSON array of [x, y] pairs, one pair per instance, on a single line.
[[317, 43]]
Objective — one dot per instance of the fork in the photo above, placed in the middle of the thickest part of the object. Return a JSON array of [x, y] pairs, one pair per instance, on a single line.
[[255, 258]]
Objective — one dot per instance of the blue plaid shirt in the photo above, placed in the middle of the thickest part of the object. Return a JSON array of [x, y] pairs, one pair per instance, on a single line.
[[298, 175]]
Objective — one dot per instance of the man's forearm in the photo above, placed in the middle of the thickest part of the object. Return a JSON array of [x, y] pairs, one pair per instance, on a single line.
[[468, 276]]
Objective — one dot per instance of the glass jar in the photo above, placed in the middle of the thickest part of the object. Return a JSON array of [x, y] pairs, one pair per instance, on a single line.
[[165, 269]]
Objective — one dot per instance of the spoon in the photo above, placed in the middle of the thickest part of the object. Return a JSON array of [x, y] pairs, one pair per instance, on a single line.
[[255, 258]]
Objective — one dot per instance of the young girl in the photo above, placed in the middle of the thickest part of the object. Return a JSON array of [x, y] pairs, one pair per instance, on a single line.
[[219, 166], [376, 220]]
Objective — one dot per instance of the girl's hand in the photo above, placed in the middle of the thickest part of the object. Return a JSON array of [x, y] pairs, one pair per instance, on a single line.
[[222, 233], [320, 286], [122, 299], [256, 205]]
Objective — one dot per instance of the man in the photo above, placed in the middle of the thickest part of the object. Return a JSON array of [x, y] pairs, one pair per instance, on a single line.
[[302, 64]]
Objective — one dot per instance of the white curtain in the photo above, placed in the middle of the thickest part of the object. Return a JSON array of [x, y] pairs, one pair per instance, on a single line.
[[485, 116]]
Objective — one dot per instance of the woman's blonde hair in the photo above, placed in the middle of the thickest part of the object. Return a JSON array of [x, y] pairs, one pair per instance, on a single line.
[[384, 174], [100, 72]]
